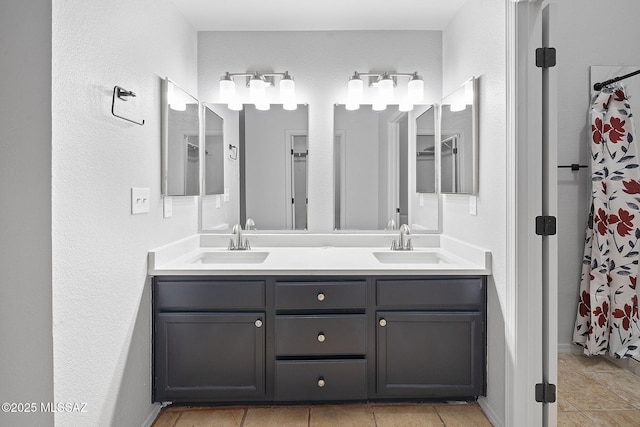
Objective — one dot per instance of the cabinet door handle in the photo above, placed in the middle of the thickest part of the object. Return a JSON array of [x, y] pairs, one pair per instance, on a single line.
[[259, 323], [321, 382], [383, 322], [321, 337], [320, 296]]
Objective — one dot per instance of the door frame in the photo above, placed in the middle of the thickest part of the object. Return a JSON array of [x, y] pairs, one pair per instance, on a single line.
[[530, 352], [289, 175]]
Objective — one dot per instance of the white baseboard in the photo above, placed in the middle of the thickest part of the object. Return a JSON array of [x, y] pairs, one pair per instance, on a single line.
[[569, 348], [152, 416], [490, 413]]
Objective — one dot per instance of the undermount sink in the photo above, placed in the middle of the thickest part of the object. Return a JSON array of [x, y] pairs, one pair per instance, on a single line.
[[230, 257], [410, 257]]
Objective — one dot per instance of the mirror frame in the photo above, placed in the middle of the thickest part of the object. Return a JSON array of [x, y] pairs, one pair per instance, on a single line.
[[164, 144], [473, 84]]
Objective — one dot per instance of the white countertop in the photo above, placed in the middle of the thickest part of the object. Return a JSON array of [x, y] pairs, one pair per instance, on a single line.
[[318, 254]]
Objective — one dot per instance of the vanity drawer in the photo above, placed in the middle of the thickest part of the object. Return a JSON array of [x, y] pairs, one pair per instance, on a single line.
[[461, 293], [321, 335], [321, 380], [321, 295], [203, 295]]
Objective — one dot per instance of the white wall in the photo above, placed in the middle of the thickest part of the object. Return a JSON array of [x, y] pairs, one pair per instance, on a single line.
[[26, 353], [583, 40], [101, 296], [321, 62], [474, 44]]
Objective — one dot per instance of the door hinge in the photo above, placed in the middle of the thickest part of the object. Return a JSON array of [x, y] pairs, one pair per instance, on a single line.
[[545, 393], [546, 225], [546, 57]]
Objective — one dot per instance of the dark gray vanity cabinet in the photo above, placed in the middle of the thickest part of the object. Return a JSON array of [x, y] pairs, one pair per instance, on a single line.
[[209, 340], [430, 337], [320, 340]]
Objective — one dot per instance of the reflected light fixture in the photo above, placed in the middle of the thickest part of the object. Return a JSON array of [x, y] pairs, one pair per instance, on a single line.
[[385, 83], [258, 82], [176, 102], [457, 107]]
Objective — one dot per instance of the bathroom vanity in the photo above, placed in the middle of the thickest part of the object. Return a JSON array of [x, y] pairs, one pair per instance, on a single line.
[[314, 323]]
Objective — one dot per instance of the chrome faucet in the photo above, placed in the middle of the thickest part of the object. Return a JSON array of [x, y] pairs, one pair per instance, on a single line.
[[250, 224], [238, 244], [391, 225], [404, 243]]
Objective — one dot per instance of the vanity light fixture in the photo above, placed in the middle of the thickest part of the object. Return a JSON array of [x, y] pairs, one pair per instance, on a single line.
[[385, 83], [258, 82]]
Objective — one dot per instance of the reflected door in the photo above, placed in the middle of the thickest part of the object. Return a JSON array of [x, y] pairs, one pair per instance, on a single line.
[[299, 153], [192, 165], [449, 164]]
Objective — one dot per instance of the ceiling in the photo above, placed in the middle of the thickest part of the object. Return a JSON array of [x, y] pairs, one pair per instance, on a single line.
[[301, 15]]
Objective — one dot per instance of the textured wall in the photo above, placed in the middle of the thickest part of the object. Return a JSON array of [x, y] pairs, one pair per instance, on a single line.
[[101, 315], [584, 39], [26, 354], [321, 62], [474, 44]]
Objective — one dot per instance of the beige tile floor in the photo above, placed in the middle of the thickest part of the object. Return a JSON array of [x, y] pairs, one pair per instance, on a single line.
[[364, 415], [594, 392], [591, 392]]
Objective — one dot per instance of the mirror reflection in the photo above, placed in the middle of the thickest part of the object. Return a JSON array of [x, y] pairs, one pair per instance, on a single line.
[[180, 142], [426, 152], [214, 152], [370, 168], [273, 167], [458, 139]]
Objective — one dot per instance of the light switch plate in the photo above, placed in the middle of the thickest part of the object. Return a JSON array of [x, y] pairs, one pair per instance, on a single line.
[[473, 205], [167, 206], [139, 200]]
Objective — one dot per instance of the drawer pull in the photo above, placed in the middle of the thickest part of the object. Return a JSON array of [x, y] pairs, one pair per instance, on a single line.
[[383, 322], [320, 296], [321, 382], [321, 337], [258, 323]]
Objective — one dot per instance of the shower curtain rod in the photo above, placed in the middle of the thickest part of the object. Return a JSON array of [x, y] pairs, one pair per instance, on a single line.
[[599, 86]]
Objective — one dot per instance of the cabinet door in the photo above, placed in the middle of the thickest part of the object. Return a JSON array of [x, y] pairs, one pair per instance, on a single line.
[[209, 356], [430, 354]]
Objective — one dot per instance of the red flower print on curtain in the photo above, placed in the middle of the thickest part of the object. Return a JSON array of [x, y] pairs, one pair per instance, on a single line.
[[607, 314]]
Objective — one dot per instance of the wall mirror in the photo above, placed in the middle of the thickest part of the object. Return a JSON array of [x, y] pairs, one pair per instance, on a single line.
[[426, 152], [214, 152], [180, 142], [371, 165], [459, 140], [273, 156]]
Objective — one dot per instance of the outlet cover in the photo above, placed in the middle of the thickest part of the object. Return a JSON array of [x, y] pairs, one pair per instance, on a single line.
[[139, 200]]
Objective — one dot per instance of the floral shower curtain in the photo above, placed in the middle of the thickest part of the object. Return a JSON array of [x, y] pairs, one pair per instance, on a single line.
[[607, 318]]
